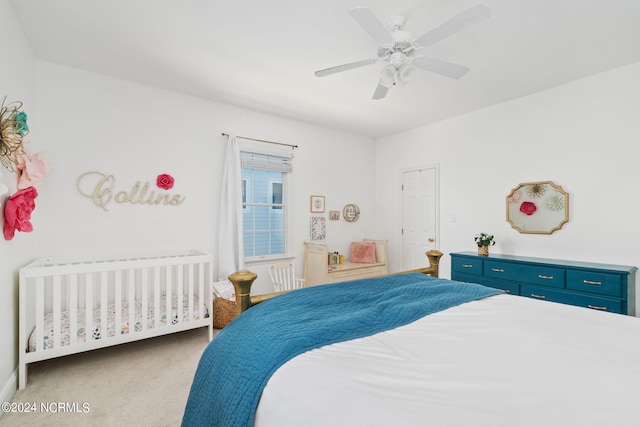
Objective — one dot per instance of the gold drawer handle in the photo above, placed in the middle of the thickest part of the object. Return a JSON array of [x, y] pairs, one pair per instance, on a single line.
[[589, 282], [595, 307], [539, 296], [467, 265], [507, 291], [545, 277], [497, 270]]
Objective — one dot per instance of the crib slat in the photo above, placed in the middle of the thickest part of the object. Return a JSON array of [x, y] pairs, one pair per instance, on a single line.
[[131, 300], [118, 301], [144, 278], [104, 303], [39, 314], [156, 296], [168, 294], [180, 292], [73, 309], [57, 311], [88, 306], [201, 295], [191, 292]]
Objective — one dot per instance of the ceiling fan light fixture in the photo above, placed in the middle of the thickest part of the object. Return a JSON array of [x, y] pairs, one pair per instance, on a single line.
[[405, 73], [388, 76]]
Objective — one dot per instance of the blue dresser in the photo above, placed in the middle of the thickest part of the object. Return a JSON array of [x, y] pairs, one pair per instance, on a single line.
[[598, 286]]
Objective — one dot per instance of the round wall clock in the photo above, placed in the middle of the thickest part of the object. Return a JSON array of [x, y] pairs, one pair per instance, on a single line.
[[351, 212]]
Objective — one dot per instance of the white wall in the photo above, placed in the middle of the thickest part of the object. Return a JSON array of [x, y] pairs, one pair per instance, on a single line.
[[17, 83], [583, 136], [96, 123], [90, 122]]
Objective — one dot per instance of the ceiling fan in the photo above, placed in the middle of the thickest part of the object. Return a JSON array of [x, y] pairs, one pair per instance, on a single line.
[[398, 48]]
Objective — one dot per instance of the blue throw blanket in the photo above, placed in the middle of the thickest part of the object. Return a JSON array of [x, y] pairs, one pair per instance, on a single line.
[[237, 364]]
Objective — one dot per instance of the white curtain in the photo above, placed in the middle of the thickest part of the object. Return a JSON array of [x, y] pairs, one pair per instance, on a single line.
[[230, 243]]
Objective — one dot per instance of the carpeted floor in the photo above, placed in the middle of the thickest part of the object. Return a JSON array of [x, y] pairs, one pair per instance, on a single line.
[[144, 383]]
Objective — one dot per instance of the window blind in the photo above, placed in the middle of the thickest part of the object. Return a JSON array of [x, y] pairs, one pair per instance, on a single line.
[[265, 162]]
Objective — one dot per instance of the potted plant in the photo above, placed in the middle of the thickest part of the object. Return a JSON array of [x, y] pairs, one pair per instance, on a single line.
[[484, 240]]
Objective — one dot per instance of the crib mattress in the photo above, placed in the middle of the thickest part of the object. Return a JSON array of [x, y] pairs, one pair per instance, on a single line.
[[97, 330]]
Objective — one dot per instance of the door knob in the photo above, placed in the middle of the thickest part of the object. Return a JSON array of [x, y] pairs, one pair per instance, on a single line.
[[431, 239]]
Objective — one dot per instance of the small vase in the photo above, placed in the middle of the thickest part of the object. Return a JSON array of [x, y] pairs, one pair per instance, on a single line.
[[483, 250]]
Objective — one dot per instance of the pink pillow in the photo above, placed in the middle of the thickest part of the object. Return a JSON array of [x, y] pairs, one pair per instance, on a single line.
[[364, 252]]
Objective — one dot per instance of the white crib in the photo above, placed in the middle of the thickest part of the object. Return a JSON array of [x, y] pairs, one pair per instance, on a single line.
[[63, 302]]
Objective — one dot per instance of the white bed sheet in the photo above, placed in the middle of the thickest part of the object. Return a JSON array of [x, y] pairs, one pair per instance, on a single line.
[[500, 361]]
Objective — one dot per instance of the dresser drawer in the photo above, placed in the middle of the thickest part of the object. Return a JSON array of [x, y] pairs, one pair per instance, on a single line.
[[595, 282], [467, 265], [533, 274], [572, 298], [502, 270], [542, 275], [504, 286]]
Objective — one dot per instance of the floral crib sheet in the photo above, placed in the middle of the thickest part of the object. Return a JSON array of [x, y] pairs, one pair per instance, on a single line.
[[111, 320]]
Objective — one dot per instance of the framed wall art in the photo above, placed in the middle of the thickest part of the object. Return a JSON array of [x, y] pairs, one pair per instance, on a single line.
[[317, 204], [351, 212], [318, 228]]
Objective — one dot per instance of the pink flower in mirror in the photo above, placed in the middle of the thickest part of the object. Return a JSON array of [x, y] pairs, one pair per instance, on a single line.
[[515, 197], [17, 212], [528, 208], [165, 181], [31, 170]]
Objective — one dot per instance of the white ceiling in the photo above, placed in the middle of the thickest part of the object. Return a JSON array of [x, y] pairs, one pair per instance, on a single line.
[[262, 54]]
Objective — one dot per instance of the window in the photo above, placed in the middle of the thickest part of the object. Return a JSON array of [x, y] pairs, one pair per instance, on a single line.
[[265, 182]]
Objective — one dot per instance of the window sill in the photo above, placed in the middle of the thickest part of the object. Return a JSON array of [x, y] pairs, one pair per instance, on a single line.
[[268, 260]]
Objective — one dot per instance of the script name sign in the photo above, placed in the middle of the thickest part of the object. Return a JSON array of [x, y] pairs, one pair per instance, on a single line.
[[101, 189]]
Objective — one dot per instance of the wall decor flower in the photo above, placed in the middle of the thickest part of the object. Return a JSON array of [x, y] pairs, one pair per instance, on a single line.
[[555, 201], [31, 169], [165, 181], [528, 208], [13, 126], [536, 190], [17, 212]]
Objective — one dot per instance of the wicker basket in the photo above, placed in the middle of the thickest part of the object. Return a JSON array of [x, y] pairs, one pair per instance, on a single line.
[[224, 311]]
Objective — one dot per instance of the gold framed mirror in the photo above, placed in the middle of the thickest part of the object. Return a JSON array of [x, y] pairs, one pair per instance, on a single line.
[[537, 207]]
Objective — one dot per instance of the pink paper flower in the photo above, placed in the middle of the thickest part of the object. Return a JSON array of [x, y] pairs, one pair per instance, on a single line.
[[31, 170], [165, 181], [515, 197], [17, 212], [528, 208]]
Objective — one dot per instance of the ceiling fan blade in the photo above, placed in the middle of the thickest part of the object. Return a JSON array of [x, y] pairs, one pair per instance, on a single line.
[[370, 23], [463, 20], [439, 66], [345, 67], [381, 91], [411, 10]]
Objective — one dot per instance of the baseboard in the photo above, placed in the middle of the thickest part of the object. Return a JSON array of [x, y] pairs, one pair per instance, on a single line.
[[9, 389]]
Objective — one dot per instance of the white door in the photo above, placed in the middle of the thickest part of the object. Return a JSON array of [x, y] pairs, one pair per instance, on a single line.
[[419, 216]]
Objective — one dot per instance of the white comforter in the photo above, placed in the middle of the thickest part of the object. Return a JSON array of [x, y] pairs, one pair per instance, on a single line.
[[500, 361]]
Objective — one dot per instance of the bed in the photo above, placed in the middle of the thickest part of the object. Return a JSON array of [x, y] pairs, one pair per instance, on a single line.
[[413, 350], [68, 306]]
